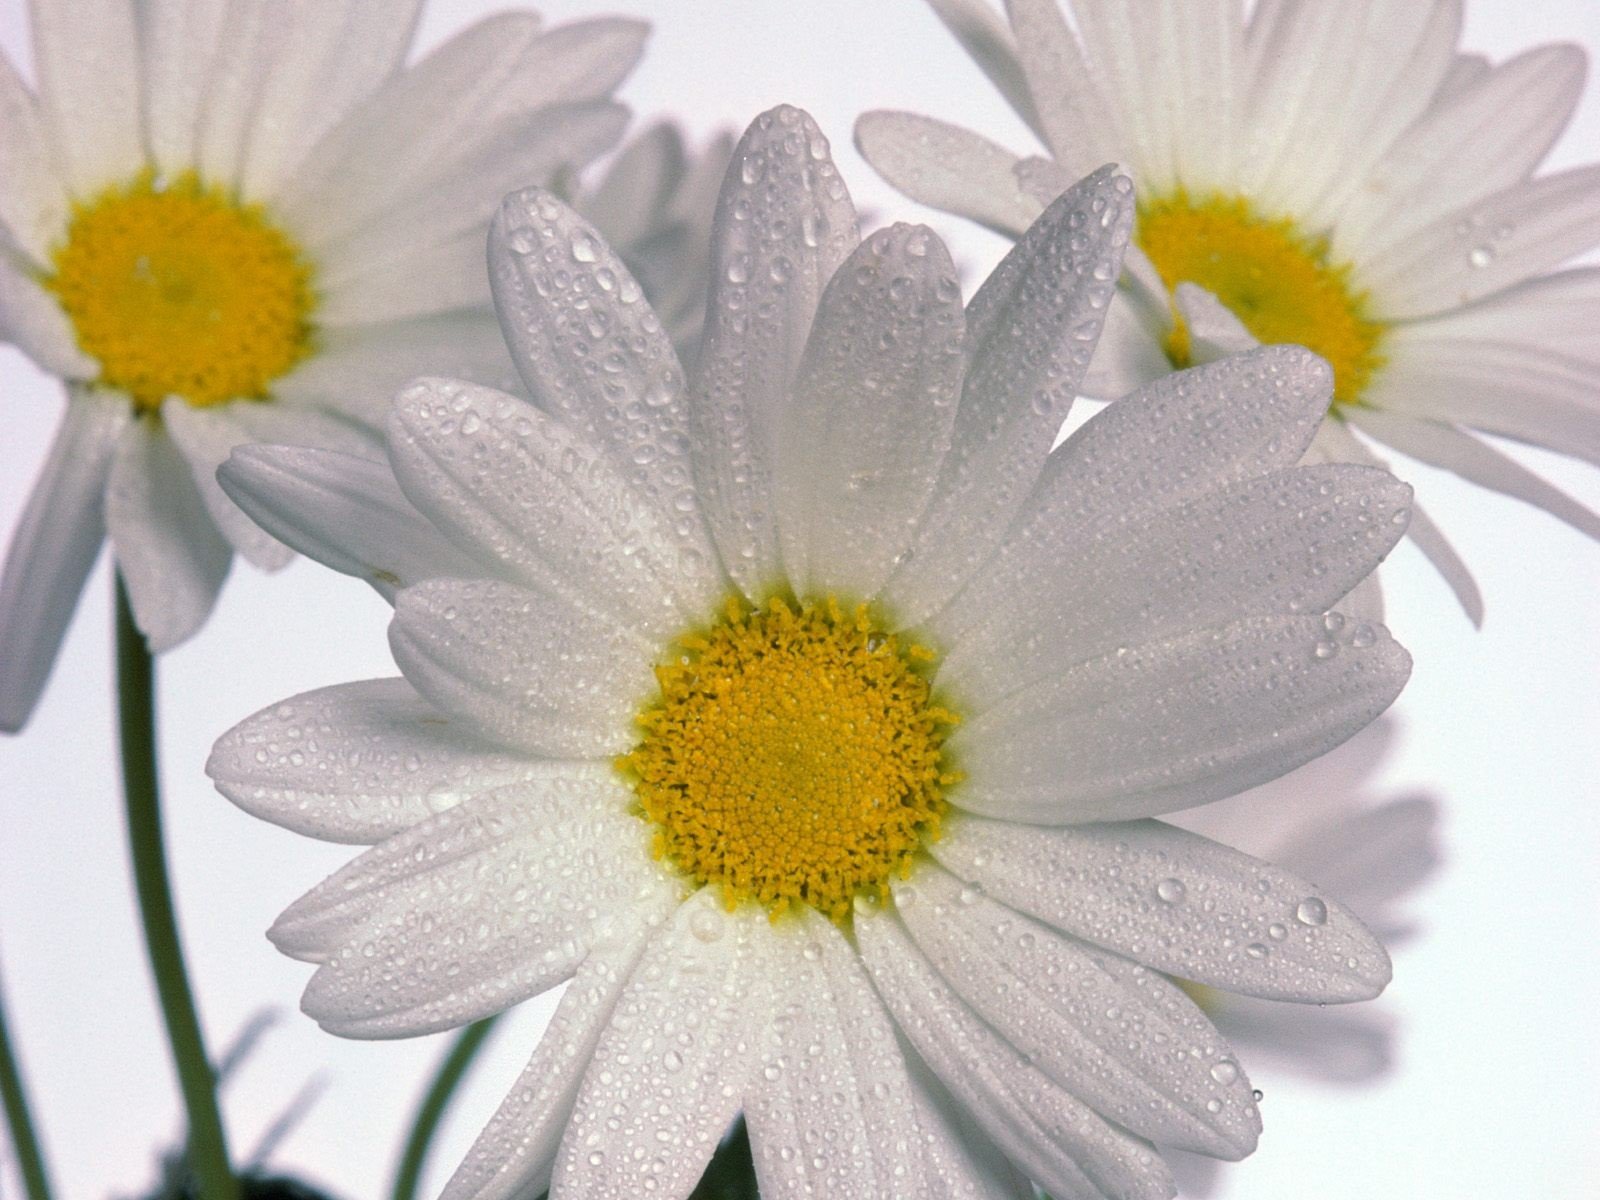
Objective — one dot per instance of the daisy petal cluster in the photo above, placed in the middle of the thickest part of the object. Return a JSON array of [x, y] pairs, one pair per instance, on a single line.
[[1335, 176], [239, 222], [808, 713]]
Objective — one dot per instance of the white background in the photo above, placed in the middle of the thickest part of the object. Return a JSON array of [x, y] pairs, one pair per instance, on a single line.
[[1496, 1094]]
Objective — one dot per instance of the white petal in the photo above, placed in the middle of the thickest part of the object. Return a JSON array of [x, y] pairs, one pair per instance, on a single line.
[[250, 46], [522, 668], [1061, 1143], [357, 371], [420, 278], [1489, 136], [960, 1154], [514, 487], [1293, 541], [167, 547], [85, 59], [574, 62], [672, 1064], [31, 319], [1336, 441], [1490, 244], [1523, 363], [54, 546], [1214, 332], [1178, 722], [1475, 460], [475, 909], [948, 168], [1032, 329], [206, 436], [630, 201], [345, 512], [832, 1112], [33, 198], [593, 353], [784, 223], [1153, 1067], [357, 762], [515, 1154], [1080, 121], [1175, 902], [984, 34], [179, 46], [860, 445]]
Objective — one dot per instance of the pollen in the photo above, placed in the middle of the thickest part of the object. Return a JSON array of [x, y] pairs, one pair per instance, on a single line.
[[1280, 282], [177, 290], [794, 756]]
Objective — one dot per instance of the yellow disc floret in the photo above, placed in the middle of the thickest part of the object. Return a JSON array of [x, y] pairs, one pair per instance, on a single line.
[[176, 290], [1279, 282], [793, 756]]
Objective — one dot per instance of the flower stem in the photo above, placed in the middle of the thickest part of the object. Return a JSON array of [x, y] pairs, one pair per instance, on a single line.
[[29, 1160], [207, 1146], [431, 1111]]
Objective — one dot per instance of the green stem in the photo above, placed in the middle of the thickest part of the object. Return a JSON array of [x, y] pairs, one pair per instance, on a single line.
[[207, 1145], [29, 1160], [431, 1111]]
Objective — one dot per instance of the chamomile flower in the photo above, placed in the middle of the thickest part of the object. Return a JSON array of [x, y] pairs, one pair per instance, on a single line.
[[227, 221], [806, 711], [1337, 176]]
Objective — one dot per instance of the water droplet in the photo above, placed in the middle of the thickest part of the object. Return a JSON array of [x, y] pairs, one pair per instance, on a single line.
[[1225, 1071], [584, 248], [1311, 911], [1256, 950], [1481, 256], [1171, 891], [706, 925]]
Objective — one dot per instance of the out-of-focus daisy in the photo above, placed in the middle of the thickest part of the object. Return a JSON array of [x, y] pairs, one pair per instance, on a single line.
[[806, 713], [227, 222], [1327, 824], [1332, 175], [653, 207]]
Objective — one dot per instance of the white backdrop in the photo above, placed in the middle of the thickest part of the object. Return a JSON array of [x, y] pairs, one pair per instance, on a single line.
[[1495, 1095]]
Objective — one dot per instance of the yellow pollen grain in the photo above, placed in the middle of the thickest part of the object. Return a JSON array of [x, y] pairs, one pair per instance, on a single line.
[[1279, 282], [794, 756], [176, 290]]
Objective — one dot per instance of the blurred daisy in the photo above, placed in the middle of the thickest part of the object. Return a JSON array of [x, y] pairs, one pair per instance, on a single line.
[[653, 207], [1332, 175], [776, 708], [1325, 823], [233, 222]]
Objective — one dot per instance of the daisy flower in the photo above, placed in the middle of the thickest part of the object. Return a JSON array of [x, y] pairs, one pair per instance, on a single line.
[[1337, 176], [232, 222], [807, 712], [653, 207], [1326, 823]]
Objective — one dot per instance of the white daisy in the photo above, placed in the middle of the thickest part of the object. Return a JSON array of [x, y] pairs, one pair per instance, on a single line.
[[228, 222], [653, 207], [1333, 175], [776, 709], [1326, 823]]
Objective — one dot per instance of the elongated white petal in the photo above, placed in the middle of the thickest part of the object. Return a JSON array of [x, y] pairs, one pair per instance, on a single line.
[[1294, 541], [420, 279], [594, 354], [1060, 1142], [515, 487], [522, 668], [1154, 728], [574, 62], [1083, 129], [358, 762], [167, 547], [53, 548], [1175, 902], [784, 223], [410, 940], [31, 319], [962, 1156], [515, 1154], [33, 199], [1070, 1011], [1473, 459], [1214, 332], [357, 372], [983, 34], [859, 447], [669, 1070], [84, 59], [180, 46], [1032, 329], [948, 168], [638, 185], [345, 512]]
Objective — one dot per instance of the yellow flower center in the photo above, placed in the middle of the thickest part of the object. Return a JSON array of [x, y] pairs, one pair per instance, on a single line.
[[793, 756], [177, 290], [1276, 279]]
